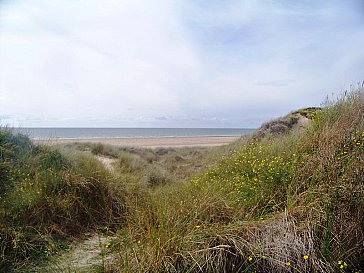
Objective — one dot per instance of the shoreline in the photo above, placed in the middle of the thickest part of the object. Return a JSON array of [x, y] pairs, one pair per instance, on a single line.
[[150, 142]]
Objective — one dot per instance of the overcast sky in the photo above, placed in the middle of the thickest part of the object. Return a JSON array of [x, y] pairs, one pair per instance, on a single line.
[[173, 63]]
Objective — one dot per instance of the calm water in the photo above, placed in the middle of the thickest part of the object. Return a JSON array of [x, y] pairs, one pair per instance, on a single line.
[[78, 133]]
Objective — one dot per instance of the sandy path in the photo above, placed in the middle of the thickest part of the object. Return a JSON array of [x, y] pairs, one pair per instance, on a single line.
[[107, 162], [90, 255], [153, 142]]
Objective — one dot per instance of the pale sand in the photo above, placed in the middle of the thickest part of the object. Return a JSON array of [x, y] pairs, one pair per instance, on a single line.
[[152, 142]]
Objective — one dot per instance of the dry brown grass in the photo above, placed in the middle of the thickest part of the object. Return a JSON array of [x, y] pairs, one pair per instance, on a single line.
[[277, 245]]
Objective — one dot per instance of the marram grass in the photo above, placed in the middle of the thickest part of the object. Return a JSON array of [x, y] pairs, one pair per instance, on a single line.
[[48, 198], [291, 202], [285, 202]]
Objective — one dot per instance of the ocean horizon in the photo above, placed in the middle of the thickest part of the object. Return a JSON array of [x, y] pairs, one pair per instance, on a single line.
[[94, 133]]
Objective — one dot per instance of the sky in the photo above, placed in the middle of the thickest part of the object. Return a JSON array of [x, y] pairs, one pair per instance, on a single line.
[[174, 63]]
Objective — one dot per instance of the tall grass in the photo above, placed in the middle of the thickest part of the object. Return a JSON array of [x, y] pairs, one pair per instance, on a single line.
[[286, 203], [48, 197]]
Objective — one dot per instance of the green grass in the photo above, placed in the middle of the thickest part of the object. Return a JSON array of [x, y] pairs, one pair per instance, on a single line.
[[48, 197], [288, 201], [291, 202]]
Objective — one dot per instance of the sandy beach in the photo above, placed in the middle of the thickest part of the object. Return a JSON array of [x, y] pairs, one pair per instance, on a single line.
[[152, 142]]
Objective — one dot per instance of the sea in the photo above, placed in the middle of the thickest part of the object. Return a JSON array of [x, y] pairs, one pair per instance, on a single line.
[[90, 133]]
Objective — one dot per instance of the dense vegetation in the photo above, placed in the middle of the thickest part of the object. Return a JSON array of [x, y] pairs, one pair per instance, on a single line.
[[290, 202], [287, 200], [47, 196]]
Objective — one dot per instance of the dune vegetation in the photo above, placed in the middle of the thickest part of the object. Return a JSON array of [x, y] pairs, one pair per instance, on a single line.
[[288, 199], [47, 197]]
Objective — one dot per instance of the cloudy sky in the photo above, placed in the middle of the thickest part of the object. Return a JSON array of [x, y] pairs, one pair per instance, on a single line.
[[173, 63]]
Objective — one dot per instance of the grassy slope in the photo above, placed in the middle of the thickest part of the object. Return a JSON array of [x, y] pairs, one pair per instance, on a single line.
[[287, 203]]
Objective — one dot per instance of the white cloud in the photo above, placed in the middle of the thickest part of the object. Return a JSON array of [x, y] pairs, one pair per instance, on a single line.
[[206, 63], [99, 62]]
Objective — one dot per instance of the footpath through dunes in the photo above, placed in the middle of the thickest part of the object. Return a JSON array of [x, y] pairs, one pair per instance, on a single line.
[[290, 200], [131, 170], [48, 197], [90, 253]]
